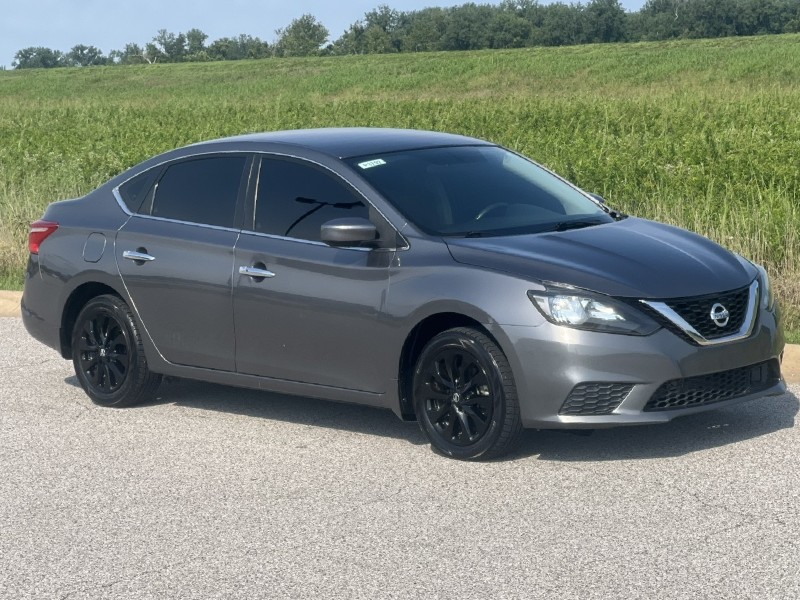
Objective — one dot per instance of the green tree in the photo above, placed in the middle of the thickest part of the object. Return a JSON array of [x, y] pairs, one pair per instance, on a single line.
[[302, 37], [153, 54], [383, 30], [37, 57], [562, 25], [224, 49], [171, 47], [657, 20], [195, 41], [238, 48], [351, 41], [385, 18], [508, 30], [424, 30], [85, 56], [710, 18], [605, 21], [253, 47], [131, 54], [466, 27]]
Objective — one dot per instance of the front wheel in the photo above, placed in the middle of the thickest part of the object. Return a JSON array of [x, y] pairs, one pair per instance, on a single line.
[[108, 356], [465, 397]]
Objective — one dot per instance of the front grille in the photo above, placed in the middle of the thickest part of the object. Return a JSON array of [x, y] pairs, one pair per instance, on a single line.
[[697, 312], [716, 387], [595, 398]]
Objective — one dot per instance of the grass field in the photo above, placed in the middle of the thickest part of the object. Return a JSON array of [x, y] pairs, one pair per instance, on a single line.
[[703, 134]]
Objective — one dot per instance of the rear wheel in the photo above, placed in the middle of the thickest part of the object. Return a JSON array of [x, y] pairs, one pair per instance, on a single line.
[[108, 356], [464, 396]]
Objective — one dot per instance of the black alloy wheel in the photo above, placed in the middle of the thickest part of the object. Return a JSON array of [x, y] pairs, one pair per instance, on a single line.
[[465, 397], [108, 356], [103, 351]]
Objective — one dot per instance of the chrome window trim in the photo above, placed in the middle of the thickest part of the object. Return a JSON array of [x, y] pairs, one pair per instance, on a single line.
[[744, 331], [261, 153], [124, 207], [273, 236], [179, 222], [119, 200]]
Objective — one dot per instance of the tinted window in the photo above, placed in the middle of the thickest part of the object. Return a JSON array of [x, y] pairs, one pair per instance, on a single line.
[[476, 190], [134, 191], [295, 199], [204, 190]]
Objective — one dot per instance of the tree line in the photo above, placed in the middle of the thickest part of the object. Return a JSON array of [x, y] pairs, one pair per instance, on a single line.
[[511, 24]]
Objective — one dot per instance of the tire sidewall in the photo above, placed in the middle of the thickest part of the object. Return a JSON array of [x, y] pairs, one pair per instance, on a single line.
[[113, 308], [454, 339]]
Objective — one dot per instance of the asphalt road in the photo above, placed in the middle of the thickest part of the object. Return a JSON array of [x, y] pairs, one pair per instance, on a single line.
[[214, 492]]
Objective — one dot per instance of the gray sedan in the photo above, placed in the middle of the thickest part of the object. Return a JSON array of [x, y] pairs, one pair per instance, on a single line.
[[442, 277]]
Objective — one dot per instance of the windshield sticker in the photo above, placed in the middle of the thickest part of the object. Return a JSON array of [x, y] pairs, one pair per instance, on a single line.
[[372, 163]]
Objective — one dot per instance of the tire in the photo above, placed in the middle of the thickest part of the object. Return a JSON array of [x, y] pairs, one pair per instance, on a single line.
[[465, 397], [108, 356]]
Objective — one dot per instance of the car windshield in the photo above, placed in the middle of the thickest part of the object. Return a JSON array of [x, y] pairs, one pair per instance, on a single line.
[[477, 191]]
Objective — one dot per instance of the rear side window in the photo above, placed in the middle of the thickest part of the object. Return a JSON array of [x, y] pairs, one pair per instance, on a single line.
[[202, 190], [295, 199], [135, 190]]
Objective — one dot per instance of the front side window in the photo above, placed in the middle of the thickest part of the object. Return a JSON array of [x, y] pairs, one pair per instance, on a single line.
[[295, 199], [202, 190]]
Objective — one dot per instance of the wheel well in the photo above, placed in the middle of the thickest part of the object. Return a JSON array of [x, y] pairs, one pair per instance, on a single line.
[[423, 333], [76, 301]]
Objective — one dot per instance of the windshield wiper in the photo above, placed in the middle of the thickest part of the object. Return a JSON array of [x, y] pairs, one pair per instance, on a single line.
[[577, 224]]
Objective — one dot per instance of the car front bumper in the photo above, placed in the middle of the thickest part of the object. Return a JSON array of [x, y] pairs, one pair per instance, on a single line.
[[549, 361]]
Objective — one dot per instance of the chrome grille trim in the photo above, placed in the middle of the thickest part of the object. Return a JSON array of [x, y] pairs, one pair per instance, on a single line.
[[744, 331]]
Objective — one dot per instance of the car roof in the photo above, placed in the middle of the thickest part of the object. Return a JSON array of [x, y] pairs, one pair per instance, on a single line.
[[348, 142]]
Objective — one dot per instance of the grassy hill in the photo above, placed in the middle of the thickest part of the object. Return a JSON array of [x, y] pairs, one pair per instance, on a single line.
[[704, 134]]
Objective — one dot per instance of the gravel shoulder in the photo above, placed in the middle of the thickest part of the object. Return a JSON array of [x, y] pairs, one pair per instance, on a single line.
[[9, 303]]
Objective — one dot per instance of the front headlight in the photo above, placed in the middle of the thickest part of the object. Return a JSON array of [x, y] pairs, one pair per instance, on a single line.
[[574, 308], [767, 297]]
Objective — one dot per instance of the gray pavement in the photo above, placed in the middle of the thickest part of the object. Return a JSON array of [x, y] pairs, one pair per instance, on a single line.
[[215, 492]]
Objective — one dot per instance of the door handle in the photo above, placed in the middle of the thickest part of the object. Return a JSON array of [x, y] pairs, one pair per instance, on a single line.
[[137, 256], [255, 272]]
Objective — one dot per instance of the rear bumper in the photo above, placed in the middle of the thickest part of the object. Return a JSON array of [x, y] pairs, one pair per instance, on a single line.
[[549, 361], [40, 306]]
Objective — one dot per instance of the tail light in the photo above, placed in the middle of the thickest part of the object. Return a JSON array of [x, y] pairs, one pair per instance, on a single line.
[[40, 231]]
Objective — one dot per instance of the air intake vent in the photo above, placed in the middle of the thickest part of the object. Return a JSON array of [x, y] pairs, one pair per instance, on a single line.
[[595, 398], [716, 387]]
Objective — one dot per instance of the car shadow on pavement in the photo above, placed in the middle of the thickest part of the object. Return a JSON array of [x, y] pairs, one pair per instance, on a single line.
[[685, 435], [292, 409]]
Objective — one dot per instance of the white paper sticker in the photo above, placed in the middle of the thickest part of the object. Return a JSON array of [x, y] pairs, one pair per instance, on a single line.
[[372, 163]]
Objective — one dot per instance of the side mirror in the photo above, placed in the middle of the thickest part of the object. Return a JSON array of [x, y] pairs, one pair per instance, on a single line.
[[599, 198], [348, 232]]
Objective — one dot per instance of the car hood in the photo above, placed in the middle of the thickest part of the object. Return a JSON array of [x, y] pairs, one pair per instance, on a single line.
[[631, 258]]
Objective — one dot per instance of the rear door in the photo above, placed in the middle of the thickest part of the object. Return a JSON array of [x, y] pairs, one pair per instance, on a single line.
[[314, 314], [176, 258]]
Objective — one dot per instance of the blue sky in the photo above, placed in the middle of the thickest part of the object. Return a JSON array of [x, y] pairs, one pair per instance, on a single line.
[[61, 24]]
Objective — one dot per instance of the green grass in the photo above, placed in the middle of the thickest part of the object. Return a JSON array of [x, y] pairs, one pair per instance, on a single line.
[[703, 134]]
